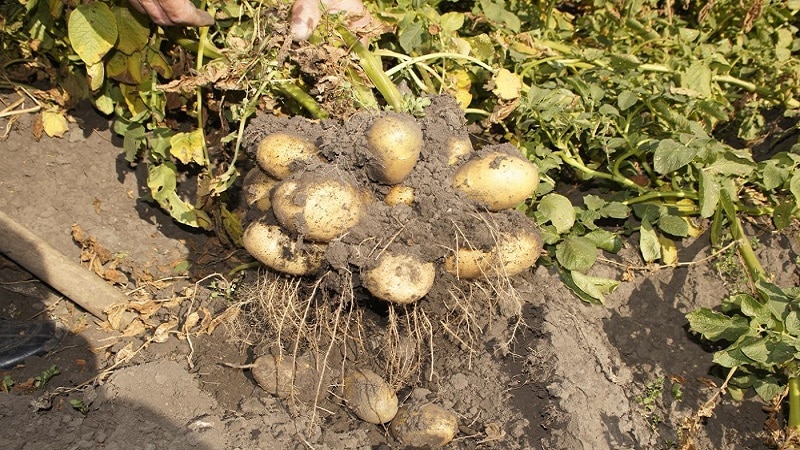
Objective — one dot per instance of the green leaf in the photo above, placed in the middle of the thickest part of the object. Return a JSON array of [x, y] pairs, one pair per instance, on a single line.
[[132, 29], [648, 242], [626, 99], [794, 186], [731, 357], [162, 180], [558, 210], [596, 287], [615, 210], [756, 349], [92, 31], [767, 387], [709, 194], [576, 253], [671, 156], [410, 37], [773, 176], [782, 215], [606, 240], [673, 225], [451, 22], [698, 78], [716, 326]]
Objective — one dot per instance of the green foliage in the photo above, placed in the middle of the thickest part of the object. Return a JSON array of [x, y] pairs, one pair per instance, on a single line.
[[7, 383], [41, 380]]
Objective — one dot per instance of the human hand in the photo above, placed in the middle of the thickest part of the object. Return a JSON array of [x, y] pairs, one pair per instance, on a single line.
[[173, 12], [306, 15]]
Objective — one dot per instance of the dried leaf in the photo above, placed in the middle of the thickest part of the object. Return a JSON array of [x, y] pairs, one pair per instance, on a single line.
[[162, 332]]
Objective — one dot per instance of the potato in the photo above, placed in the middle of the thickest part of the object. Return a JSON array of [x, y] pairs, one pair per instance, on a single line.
[[318, 209], [498, 180], [518, 251], [424, 425], [455, 147], [277, 250], [257, 187], [401, 278], [399, 195], [514, 253], [395, 141], [369, 396], [277, 153], [285, 376]]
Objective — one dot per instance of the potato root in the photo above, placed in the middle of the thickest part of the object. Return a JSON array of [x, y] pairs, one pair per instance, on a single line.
[[318, 209], [401, 278], [369, 396], [424, 425], [277, 250], [395, 142], [279, 152], [497, 180]]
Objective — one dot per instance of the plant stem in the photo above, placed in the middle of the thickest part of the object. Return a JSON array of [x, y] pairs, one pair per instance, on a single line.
[[374, 69], [745, 249], [794, 402], [306, 101], [570, 160]]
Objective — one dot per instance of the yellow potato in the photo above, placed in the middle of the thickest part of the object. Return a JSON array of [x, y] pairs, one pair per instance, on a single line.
[[318, 209], [455, 147], [424, 425], [468, 264], [401, 279], [277, 250], [277, 152], [395, 141], [514, 253], [257, 187], [369, 396], [498, 180], [284, 376], [399, 195]]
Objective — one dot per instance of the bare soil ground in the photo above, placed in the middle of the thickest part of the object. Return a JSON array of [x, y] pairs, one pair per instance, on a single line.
[[626, 375]]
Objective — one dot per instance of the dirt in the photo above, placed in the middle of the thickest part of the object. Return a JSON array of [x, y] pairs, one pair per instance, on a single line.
[[624, 375]]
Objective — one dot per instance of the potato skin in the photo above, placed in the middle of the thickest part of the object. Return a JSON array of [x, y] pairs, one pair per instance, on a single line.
[[424, 425], [514, 253], [455, 147], [257, 187], [399, 195], [369, 396], [277, 250], [498, 180], [469, 264], [318, 209], [277, 152], [401, 279], [395, 141], [284, 376]]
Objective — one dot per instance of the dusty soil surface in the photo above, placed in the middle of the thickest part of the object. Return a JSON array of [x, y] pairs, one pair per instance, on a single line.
[[623, 375]]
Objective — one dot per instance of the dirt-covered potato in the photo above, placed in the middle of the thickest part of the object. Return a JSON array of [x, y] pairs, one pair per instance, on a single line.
[[424, 425], [399, 278], [369, 396], [285, 376], [395, 142], [278, 151], [514, 253], [399, 194], [455, 147], [469, 264], [319, 209], [257, 187], [498, 180], [277, 250]]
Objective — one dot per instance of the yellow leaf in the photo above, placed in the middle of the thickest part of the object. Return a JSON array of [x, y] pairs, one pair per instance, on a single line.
[[54, 123], [506, 85], [669, 253], [92, 31], [460, 85], [133, 31], [188, 147], [96, 73]]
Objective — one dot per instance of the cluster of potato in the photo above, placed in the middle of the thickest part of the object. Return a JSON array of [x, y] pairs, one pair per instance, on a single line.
[[310, 202]]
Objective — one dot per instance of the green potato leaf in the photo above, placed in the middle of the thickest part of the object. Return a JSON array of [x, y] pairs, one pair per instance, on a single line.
[[671, 156], [648, 242], [558, 210], [92, 31], [716, 326], [673, 225], [132, 29], [596, 287], [576, 253]]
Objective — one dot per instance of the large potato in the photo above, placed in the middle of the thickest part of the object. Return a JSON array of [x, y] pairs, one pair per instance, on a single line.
[[424, 425], [400, 278], [257, 188], [277, 153], [318, 209], [284, 376], [278, 251], [395, 141], [498, 180], [369, 396]]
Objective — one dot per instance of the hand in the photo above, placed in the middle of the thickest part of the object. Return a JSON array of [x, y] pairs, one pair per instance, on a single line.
[[173, 12], [306, 15]]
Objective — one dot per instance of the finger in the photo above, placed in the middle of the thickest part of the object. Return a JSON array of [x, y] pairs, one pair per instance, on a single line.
[[173, 12], [306, 15]]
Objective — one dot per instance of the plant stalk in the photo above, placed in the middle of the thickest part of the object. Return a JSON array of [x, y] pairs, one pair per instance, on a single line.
[[374, 69], [745, 249], [794, 403]]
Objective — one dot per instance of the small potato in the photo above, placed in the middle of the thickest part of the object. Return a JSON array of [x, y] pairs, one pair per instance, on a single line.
[[498, 180], [455, 147], [424, 425], [369, 396], [270, 245], [398, 195], [277, 152], [318, 209], [257, 187], [395, 141], [519, 251], [401, 279], [469, 264], [285, 376]]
